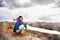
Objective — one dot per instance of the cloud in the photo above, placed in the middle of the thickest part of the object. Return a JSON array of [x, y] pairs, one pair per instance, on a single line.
[[42, 2], [1, 5], [30, 10], [57, 4], [23, 3], [15, 3]]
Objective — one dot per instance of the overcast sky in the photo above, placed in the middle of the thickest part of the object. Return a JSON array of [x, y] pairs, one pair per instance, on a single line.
[[24, 3], [31, 10], [27, 3]]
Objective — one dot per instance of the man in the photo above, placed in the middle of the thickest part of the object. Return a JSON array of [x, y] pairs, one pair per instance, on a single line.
[[19, 25]]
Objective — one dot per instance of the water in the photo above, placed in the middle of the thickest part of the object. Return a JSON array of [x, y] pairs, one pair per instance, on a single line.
[[43, 30]]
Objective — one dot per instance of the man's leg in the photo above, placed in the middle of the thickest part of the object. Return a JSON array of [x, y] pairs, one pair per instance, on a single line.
[[20, 28]]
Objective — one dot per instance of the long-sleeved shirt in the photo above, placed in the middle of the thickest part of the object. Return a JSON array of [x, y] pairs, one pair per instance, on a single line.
[[17, 24]]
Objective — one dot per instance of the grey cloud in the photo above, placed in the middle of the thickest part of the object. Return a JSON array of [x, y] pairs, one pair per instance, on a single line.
[[42, 2], [57, 4], [14, 4], [1, 5]]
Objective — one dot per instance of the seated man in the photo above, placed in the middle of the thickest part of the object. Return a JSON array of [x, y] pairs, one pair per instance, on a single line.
[[19, 25]]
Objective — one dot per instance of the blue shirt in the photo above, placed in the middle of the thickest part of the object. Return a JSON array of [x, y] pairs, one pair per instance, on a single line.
[[17, 24]]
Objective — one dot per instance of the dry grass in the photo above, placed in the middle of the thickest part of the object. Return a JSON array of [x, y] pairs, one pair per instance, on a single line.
[[6, 31]]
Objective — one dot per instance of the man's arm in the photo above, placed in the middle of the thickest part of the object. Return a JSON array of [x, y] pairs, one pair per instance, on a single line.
[[25, 26]]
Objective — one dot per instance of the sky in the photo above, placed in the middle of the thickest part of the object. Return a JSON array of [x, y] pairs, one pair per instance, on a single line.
[[31, 10]]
